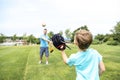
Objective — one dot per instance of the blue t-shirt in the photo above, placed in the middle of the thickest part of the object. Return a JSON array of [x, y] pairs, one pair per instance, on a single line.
[[44, 43], [86, 64]]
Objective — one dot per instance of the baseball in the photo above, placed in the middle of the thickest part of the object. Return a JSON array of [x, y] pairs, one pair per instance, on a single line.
[[43, 24]]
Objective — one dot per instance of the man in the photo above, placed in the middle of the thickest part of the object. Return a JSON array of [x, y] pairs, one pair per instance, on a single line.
[[44, 40]]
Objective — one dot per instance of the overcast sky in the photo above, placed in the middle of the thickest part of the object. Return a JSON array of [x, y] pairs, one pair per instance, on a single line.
[[26, 16]]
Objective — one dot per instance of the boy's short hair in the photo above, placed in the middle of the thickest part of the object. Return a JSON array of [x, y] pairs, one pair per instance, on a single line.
[[83, 39]]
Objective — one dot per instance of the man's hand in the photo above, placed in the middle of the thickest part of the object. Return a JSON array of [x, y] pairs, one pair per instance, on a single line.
[[50, 42]]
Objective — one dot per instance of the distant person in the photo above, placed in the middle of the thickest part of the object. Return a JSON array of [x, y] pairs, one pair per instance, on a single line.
[[44, 47], [87, 61]]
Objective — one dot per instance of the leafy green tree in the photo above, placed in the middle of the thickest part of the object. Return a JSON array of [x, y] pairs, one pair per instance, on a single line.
[[14, 37], [31, 39], [100, 37], [37, 40], [61, 32], [68, 34], [2, 38], [82, 27], [107, 37], [117, 28], [50, 34], [24, 37], [116, 32]]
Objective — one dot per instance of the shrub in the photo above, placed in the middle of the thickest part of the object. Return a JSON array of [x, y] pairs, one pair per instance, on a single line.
[[112, 43], [95, 41]]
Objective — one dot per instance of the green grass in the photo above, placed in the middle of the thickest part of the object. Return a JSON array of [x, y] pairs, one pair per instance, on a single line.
[[111, 58], [21, 63]]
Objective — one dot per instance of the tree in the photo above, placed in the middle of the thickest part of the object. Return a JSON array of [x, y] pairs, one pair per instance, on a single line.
[[50, 34], [14, 37], [117, 28], [37, 40], [31, 39], [2, 38], [68, 34], [61, 32], [107, 37], [116, 32], [100, 37], [24, 37], [82, 27]]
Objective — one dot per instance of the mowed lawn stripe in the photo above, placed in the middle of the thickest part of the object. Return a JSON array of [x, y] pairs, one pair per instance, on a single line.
[[32, 58], [55, 70], [12, 64]]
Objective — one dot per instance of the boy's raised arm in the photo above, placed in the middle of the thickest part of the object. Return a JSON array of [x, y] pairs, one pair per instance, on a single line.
[[64, 56]]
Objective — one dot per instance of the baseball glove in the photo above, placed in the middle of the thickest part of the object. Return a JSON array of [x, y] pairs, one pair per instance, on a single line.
[[59, 42], [51, 49]]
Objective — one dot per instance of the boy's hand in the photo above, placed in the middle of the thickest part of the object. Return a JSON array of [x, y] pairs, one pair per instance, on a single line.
[[61, 47], [64, 56]]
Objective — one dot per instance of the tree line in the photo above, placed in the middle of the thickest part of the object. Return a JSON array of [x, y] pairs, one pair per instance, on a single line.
[[110, 39], [28, 39]]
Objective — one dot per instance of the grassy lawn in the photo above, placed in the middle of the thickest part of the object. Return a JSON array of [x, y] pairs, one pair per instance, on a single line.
[[21, 63]]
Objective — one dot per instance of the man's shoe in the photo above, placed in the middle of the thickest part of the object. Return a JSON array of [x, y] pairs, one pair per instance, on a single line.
[[47, 62], [40, 62]]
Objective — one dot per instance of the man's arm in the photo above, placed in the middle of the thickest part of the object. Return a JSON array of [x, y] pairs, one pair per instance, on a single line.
[[45, 39], [64, 56], [50, 42], [101, 68]]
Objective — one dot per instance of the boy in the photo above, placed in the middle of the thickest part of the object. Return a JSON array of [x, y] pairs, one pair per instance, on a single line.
[[88, 62]]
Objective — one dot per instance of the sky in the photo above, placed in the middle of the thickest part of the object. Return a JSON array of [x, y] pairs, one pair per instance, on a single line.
[[27, 16]]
